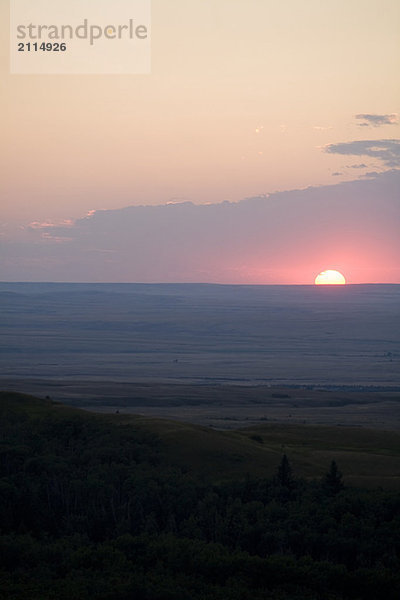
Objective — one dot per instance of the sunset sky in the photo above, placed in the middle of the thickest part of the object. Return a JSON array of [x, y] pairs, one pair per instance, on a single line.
[[246, 98]]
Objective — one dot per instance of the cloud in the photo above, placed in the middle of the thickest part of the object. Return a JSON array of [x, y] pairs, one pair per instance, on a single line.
[[284, 237], [336, 174], [360, 166], [388, 151], [377, 120], [372, 174], [50, 225], [56, 239]]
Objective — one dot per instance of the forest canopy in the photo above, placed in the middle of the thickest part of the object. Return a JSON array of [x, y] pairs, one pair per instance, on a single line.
[[92, 508]]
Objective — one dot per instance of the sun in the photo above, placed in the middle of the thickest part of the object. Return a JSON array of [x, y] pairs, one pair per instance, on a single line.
[[330, 278]]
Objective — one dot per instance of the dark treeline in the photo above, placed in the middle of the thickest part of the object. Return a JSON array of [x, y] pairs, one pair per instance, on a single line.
[[91, 509]]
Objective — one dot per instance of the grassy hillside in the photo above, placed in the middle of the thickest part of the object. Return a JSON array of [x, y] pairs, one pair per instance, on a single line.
[[367, 458]]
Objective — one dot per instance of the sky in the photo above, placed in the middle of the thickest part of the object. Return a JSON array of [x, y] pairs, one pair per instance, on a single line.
[[249, 103]]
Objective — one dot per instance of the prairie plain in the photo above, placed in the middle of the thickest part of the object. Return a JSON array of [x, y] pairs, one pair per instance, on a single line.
[[224, 356]]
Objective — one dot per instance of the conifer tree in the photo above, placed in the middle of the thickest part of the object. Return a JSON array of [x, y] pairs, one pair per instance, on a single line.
[[333, 479], [284, 475]]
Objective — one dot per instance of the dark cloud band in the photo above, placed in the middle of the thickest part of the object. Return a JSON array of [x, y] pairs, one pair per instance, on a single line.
[[377, 120], [388, 151]]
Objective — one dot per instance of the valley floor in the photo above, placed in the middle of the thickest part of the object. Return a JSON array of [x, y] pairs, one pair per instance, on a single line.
[[224, 406]]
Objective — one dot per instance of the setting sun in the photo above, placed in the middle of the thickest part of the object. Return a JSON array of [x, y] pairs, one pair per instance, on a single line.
[[330, 278]]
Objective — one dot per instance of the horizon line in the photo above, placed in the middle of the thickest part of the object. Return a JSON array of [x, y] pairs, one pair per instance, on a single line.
[[194, 283]]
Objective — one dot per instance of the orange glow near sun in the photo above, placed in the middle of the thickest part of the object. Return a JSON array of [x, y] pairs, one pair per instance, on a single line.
[[330, 278]]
